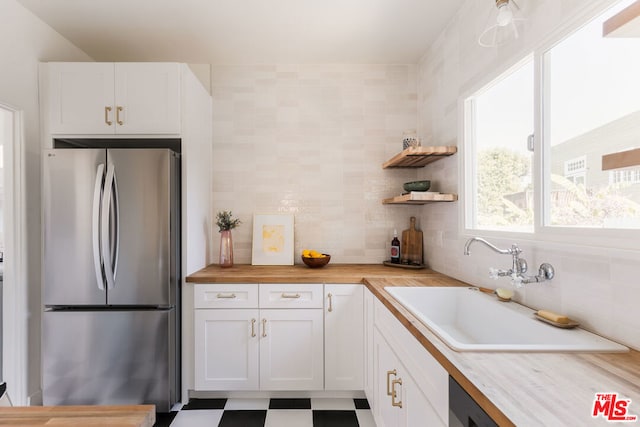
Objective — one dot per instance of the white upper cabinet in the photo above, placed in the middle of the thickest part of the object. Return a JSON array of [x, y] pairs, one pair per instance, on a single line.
[[96, 98], [81, 97], [147, 98]]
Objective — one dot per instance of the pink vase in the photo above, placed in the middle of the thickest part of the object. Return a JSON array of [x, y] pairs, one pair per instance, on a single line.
[[226, 249]]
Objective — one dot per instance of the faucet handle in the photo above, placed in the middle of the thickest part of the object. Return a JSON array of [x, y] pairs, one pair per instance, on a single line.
[[494, 273], [516, 279]]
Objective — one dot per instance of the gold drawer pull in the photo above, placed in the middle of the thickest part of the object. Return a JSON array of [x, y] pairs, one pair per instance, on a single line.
[[226, 296], [107, 110], [330, 302], [389, 373], [394, 393], [264, 328], [118, 120], [295, 296], [253, 328]]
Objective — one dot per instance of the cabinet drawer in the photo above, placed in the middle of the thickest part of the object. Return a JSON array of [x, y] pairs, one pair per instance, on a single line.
[[236, 295], [277, 295]]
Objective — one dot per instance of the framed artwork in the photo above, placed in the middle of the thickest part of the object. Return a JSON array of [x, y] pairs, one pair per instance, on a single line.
[[272, 239]]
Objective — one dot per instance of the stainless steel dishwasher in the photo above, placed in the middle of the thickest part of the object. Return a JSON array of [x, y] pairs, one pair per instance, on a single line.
[[464, 411]]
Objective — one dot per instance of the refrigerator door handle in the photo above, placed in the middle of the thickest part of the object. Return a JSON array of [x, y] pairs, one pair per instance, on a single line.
[[115, 242], [95, 226], [105, 227]]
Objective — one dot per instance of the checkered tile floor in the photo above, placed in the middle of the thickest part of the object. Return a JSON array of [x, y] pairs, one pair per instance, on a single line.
[[271, 413]]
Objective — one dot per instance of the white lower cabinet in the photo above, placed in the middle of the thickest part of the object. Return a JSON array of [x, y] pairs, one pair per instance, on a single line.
[[244, 340], [239, 346], [369, 389], [227, 349], [344, 337], [410, 387], [400, 402], [291, 350]]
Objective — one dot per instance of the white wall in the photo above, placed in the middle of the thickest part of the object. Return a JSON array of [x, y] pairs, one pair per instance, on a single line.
[[598, 287], [310, 140], [24, 41]]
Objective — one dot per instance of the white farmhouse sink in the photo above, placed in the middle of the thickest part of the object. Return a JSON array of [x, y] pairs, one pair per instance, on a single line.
[[469, 320]]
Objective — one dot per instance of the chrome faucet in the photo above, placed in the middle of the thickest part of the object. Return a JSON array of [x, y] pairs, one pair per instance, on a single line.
[[518, 265]]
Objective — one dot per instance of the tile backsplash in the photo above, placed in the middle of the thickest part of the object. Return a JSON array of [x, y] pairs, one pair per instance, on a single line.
[[310, 140]]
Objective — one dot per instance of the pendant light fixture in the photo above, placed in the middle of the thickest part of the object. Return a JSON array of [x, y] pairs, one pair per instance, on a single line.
[[502, 25]]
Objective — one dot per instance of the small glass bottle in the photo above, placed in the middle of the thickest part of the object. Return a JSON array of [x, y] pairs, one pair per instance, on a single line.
[[395, 248]]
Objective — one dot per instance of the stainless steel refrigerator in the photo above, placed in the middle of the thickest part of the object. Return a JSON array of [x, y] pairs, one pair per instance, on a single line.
[[111, 277]]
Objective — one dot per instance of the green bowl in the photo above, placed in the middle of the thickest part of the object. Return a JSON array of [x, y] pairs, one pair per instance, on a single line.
[[417, 186]]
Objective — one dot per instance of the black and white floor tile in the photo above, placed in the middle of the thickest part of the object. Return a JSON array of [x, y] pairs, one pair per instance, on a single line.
[[322, 412]]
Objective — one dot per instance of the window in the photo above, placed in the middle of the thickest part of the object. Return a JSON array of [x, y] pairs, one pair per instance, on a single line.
[[589, 107], [575, 170], [626, 176], [592, 109], [502, 118]]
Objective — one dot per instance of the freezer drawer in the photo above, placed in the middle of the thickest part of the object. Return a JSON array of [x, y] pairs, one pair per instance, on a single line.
[[110, 358]]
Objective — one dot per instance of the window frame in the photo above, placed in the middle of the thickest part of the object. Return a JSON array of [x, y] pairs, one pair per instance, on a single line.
[[542, 231]]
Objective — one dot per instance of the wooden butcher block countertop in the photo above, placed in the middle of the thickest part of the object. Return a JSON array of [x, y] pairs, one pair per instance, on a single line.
[[515, 388], [80, 416], [331, 273]]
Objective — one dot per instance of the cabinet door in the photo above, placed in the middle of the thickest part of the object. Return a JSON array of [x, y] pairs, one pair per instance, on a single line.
[[427, 373], [386, 370], [81, 98], [291, 349], [147, 98], [368, 348], [416, 407], [226, 349], [400, 402], [344, 337]]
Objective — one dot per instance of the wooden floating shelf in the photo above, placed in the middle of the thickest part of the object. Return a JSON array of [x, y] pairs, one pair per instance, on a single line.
[[420, 198], [417, 157]]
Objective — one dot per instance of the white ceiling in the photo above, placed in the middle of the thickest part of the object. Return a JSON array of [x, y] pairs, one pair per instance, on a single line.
[[249, 31]]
